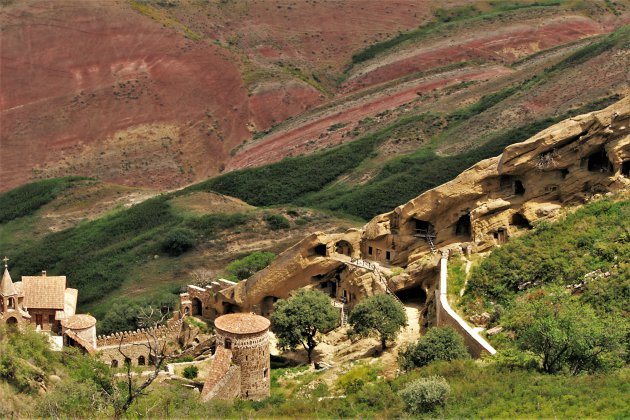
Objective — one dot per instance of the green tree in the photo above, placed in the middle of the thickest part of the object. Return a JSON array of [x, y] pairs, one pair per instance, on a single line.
[[566, 334], [442, 343], [381, 315], [297, 320], [245, 267]]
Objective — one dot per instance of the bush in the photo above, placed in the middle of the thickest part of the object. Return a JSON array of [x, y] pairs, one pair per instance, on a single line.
[[441, 343], [191, 372], [277, 222], [244, 268], [179, 241], [425, 394]]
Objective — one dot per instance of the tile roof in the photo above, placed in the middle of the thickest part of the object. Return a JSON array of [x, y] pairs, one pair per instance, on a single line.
[[242, 323], [44, 292]]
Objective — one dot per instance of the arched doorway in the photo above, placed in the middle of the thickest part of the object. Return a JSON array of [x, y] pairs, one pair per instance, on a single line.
[[343, 247], [12, 323], [196, 306], [141, 361]]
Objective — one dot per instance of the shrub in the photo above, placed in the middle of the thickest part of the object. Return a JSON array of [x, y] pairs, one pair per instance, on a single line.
[[191, 372], [245, 267], [277, 222], [441, 343], [425, 394], [179, 241]]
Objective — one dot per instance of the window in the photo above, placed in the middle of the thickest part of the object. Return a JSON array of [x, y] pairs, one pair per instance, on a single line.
[[228, 343], [369, 250], [265, 373], [388, 255], [51, 319], [114, 363], [141, 361], [11, 304]]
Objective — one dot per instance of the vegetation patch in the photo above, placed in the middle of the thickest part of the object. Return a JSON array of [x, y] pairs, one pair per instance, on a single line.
[[244, 268], [27, 199]]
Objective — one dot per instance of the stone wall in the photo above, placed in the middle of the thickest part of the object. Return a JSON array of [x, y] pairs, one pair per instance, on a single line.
[[134, 343]]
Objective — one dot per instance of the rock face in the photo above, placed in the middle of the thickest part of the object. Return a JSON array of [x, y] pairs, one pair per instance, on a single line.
[[483, 207]]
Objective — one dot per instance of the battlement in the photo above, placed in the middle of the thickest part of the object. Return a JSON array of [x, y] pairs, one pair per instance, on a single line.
[[140, 335]]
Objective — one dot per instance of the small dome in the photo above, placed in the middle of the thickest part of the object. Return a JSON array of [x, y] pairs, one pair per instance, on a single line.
[[78, 322], [244, 323]]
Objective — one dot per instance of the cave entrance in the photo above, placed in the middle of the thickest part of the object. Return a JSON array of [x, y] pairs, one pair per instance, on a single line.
[[343, 247], [463, 226], [519, 189], [412, 295], [423, 229], [598, 162], [229, 308], [196, 306], [501, 235], [320, 250], [329, 288], [625, 169], [520, 221], [267, 305]]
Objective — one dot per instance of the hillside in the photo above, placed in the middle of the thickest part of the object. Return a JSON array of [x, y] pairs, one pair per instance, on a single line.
[[507, 385], [179, 91], [110, 240]]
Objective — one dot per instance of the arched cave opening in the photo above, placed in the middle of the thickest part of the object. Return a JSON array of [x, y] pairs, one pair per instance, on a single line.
[[519, 189], [598, 161], [625, 169], [412, 295], [520, 221], [463, 226], [343, 247]]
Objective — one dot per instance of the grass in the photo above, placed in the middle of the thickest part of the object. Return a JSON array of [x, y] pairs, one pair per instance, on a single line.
[[595, 237]]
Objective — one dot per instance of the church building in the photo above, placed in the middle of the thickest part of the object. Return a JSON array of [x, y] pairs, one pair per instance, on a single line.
[[42, 301]]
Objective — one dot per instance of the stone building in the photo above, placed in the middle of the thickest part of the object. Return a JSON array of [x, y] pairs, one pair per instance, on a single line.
[[42, 301], [242, 363], [80, 331]]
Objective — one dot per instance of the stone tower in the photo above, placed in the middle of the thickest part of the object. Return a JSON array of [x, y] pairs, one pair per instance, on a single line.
[[246, 336]]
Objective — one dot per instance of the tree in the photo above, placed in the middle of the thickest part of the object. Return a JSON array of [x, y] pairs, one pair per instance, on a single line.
[[564, 333], [441, 343], [381, 315], [297, 320]]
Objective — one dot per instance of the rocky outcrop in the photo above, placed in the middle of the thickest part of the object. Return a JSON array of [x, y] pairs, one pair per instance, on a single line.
[[483, 207]]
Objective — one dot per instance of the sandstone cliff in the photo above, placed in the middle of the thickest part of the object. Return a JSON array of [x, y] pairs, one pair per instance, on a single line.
[[483, 207]]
